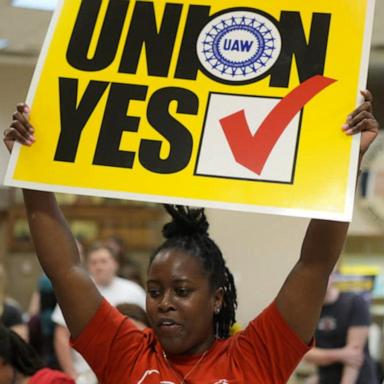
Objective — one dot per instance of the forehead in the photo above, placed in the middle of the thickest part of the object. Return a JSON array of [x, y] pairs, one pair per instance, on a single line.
[[176, 264]]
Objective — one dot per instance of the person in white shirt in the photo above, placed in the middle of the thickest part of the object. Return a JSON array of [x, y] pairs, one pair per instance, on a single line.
[[102, 265]]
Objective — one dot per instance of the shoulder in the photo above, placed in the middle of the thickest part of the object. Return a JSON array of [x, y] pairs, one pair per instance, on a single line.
[[360, 304], [11, 315], [269, 337], [347, 296], [105, 325], [10, 309], [120, 339], [355, 309], [270, 326], [352, 299]]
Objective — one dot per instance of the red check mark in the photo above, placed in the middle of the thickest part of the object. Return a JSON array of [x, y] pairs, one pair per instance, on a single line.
[[253, 151]]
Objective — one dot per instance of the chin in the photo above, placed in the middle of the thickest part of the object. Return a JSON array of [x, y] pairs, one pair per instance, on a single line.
[[174, 350], [173, 347], [102, 281]]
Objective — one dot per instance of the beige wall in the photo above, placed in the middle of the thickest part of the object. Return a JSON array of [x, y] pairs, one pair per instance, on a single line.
[[260, 251]]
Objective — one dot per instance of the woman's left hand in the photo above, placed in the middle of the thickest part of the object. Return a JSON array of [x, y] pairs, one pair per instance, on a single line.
[[361, 120]]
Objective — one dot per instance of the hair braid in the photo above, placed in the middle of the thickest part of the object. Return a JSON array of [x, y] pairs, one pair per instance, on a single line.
[[227, 315], [16, 352]]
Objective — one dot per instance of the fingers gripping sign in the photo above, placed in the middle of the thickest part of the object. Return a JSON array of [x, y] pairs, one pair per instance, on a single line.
[[20, 129], [361, 120]]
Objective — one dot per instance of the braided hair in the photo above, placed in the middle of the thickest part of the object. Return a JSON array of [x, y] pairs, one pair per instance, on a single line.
[[17, 353], [188, 231]]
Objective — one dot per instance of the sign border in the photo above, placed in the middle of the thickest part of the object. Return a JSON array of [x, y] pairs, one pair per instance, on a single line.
[[346, 215]]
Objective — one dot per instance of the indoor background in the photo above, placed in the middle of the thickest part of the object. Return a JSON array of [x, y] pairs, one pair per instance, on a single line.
[[259, 262]]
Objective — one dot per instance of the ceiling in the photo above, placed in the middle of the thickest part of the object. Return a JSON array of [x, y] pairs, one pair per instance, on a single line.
[[25, 30]]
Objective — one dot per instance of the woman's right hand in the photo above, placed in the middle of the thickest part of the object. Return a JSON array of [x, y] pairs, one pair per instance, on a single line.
[[20, 129]]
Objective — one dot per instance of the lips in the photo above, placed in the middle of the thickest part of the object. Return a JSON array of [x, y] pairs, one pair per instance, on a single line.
[[168, 325], [166, 322]]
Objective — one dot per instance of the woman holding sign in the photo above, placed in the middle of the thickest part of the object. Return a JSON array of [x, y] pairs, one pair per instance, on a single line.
[[191, 296]]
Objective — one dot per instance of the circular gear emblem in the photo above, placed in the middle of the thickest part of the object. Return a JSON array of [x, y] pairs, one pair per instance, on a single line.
[[239, 46]]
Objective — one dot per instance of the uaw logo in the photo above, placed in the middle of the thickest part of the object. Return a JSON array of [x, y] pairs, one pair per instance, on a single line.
[[239, 46]]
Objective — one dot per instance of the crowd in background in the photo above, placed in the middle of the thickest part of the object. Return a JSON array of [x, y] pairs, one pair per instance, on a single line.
[[341, 337], [43, 327]]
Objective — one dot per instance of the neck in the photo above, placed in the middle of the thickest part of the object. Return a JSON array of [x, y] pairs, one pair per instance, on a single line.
[[183, 378], [195, 351]]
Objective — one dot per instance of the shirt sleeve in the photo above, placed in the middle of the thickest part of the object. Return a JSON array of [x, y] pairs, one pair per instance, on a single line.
[[109, 341], [360, 315], [268, 345]]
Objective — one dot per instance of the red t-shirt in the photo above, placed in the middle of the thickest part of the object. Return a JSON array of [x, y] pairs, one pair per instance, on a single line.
[[48, 376], [266, 352]]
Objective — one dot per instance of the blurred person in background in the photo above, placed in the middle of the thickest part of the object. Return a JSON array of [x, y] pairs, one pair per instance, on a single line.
[[20, 364], [41, 327], [341, 354], [11, 316], [102, 264], [128, 268]]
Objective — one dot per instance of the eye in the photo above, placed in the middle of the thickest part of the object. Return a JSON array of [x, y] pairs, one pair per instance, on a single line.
[[182, 292], [154, 293]]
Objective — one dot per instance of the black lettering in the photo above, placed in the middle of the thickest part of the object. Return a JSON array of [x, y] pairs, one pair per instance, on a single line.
[[78, 49], [115, 122], [158, 45], [74, 117], [178, 136], [188, 62], [310, 56]]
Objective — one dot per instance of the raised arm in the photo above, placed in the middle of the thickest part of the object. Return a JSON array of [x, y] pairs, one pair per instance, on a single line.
[[301, 297], [55, 245]]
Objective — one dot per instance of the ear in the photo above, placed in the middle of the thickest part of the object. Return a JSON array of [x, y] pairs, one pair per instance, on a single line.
[[218, 300]]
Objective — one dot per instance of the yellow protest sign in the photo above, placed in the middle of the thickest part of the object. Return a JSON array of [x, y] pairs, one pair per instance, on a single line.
[[227, 104]]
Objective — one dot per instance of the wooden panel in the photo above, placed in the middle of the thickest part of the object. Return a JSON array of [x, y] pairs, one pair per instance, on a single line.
[[138, 226], [364, 245]]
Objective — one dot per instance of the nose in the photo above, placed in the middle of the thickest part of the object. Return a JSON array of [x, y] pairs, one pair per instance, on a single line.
[[166, 302]]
